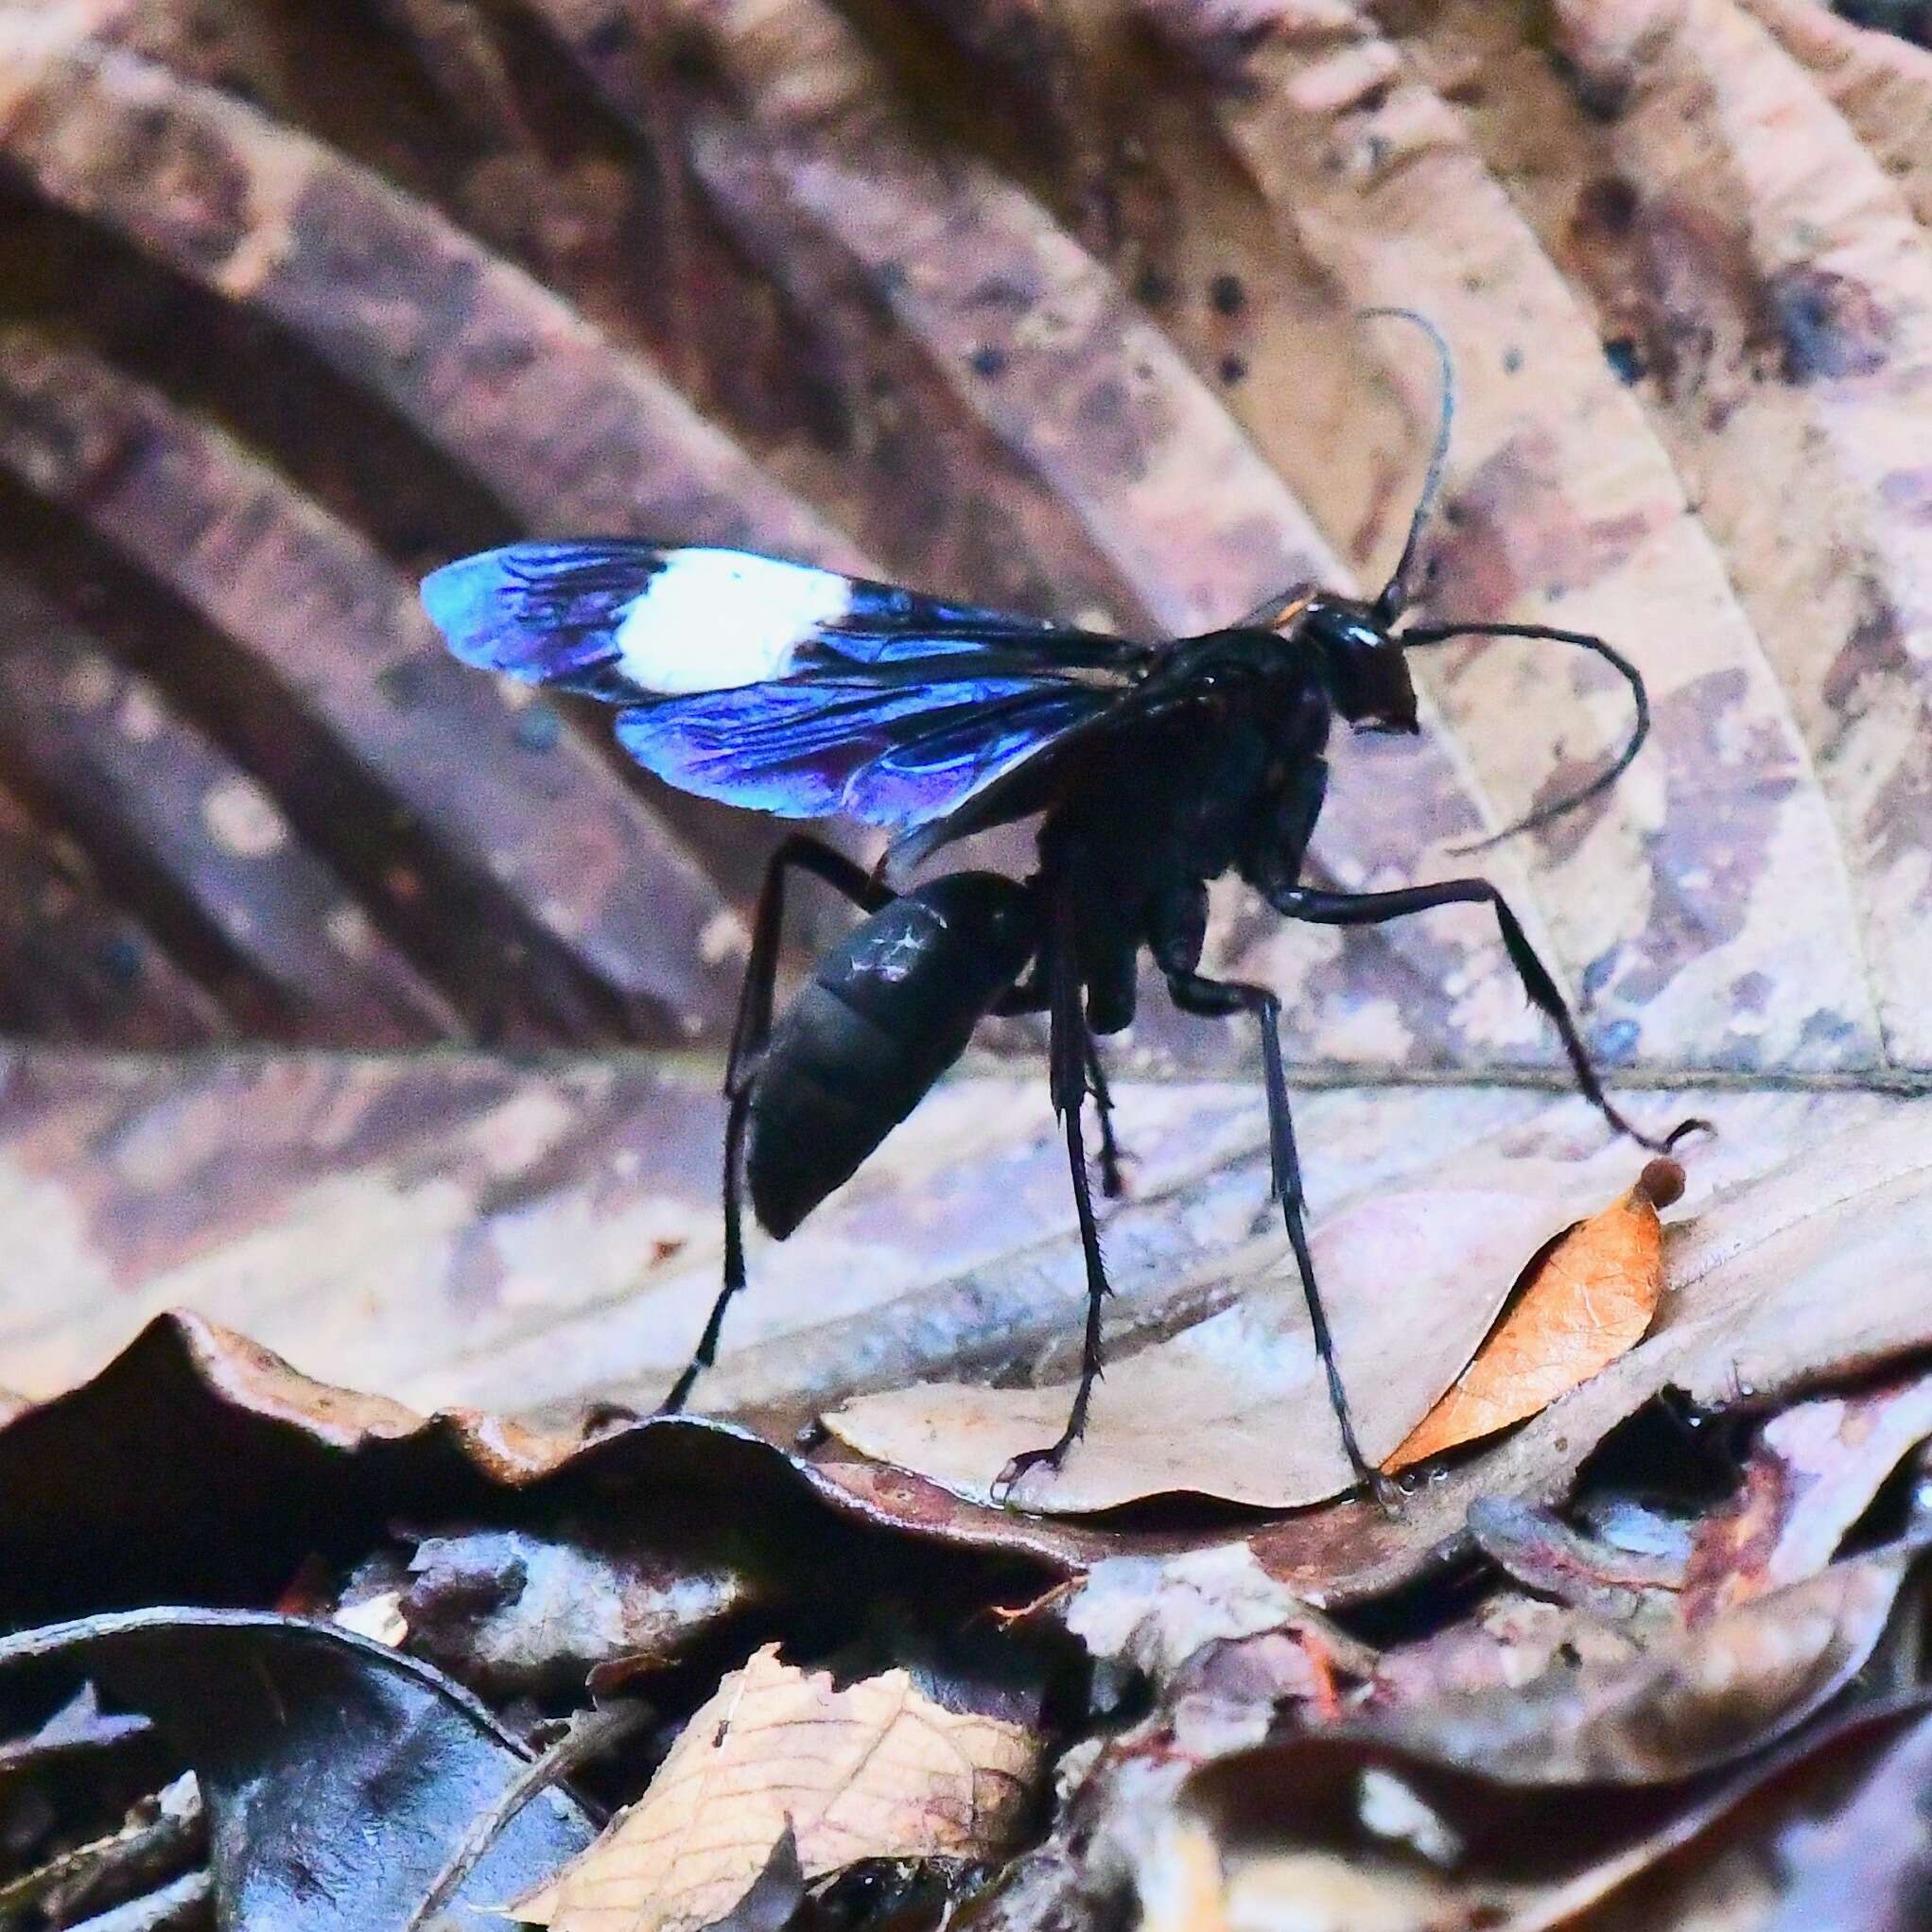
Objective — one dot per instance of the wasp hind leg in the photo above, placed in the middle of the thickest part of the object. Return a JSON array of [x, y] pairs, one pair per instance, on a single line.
[[750, 1033]]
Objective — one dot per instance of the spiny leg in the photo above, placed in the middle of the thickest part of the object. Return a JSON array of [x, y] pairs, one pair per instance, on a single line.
[[1218, 999], [1032, 997], [1375, 908], [748, 1034], [1070, 1057], [1111, 1184]]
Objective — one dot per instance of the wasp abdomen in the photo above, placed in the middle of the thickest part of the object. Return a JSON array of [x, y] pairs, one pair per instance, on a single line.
[[884, 1016]]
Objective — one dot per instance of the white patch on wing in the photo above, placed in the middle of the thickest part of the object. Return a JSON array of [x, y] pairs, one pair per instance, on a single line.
[[711, 620]]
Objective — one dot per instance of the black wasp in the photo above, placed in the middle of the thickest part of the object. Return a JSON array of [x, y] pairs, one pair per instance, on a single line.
[[1157, 768]]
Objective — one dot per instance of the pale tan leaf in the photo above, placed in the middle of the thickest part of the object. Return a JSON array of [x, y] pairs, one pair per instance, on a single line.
[[1228, 1407], [876, 1770]]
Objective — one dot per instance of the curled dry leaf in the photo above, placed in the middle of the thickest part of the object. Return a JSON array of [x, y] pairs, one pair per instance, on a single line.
[[1592, 1297], [1228, 1407], [266, 1466], [1691, 1700], [1813, 1473], [873, 1770], [1534, 1546]]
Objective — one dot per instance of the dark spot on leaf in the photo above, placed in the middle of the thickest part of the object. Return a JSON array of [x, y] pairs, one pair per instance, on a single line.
[[1600, 92], [1606, 206], [1908, 492], [612, 35], [120, 960], [1617, 1041], [1232, 368], [405, 684], [1874, 647], [988, 361], [1625, 359], [1828, 324], [1228, 295], [1154, 287]]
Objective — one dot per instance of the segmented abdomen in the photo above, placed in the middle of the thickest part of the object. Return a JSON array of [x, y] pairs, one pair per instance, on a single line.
[[884, 1016]]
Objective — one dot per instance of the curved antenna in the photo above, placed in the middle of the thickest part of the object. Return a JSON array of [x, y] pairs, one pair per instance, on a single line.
[[1426, 634], [1395, 593]]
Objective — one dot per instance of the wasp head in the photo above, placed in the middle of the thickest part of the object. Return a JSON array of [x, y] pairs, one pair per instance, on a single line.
[[1361, 663]]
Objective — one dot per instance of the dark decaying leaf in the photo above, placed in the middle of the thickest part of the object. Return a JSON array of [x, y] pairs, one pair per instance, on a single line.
[[200, 1464], [340, 1777]]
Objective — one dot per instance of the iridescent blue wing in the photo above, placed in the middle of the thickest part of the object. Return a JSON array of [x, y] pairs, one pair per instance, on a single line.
[[784, 689], [626, 621], [898, 755]]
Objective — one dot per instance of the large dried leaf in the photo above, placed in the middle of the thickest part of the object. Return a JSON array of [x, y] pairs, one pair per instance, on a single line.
[[877, 1769], [1055, 305], [1223, 1409], [1128, 329]]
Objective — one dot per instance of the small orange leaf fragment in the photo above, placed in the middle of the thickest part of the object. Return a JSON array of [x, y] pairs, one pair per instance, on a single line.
[[1591, 1300]]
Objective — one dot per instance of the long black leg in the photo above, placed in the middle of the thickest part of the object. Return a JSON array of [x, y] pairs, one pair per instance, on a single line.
[[1375, 908], [1069, 1058], [749, 1034], [1216, 999]]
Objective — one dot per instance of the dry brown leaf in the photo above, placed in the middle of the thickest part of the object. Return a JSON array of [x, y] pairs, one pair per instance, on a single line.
[[1156, 1614], [1593, 1297], [1228, 1408], [877, 1770], [1813, 1473]]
